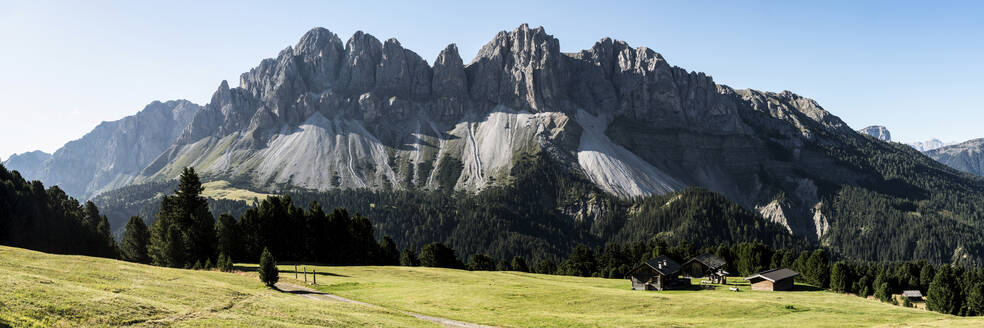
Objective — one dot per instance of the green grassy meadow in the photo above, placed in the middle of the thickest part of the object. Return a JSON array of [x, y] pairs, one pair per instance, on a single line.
[[43, 290], [516, 299], [221, 189]]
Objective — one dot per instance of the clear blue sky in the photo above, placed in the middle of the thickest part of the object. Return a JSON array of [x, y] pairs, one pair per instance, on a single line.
[[915, 67]]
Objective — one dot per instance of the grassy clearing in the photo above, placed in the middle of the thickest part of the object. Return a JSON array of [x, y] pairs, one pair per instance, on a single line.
[[74, 291], [46, 290], [533, 300], [222, 190]]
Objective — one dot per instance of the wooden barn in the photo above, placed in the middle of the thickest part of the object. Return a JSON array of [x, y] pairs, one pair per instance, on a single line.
[[913, 295], [773, 280], [706, 266], [660, 273]]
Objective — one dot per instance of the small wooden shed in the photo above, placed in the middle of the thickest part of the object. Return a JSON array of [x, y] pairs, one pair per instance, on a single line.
[[706, 266], [773, 280], [913, 295], [660, 273]]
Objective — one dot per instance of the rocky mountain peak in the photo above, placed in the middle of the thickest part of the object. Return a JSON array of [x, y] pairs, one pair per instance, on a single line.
[[523, 69], [29, 164], [878, 132], [402, 72], [449, 79], [318, 41], [362, 54]]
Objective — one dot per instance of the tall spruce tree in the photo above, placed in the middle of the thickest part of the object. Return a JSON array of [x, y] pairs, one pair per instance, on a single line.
[[409, 257], [818, 268], [944, 293], [133, 248], [388, 254], [184, 232], [839, 277], [227, 235]]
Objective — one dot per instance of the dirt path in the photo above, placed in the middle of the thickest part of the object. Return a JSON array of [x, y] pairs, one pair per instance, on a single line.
[[321, 296]]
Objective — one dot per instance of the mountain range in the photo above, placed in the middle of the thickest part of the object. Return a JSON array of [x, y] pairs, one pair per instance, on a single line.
[[328, 115], [964, 156], [112, 154]]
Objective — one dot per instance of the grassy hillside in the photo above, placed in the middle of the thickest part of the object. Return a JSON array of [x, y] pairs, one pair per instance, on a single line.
[[221, 189], [53, 290], [534, 300], [45, 290]]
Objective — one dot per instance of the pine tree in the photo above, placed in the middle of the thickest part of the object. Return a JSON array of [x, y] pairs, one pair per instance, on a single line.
[[388, 254], [198, 220], [975, 299], [546, 267], [438, 255], [818, 268], [269, 274], [481, 262], [883, 293], [943, 292], [133, 248], [839, 277], [581, 262], [225, 263], [409, 257], [519, 264], [926, 275], [187, 212], [503, 266], [227, 234]]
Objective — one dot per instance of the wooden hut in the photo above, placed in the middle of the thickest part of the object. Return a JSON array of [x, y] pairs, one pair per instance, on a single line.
[[913, 295], [660, 273], [773, 280], [706, 266]]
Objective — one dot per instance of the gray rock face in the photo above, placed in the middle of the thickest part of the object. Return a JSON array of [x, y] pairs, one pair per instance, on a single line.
[[28, 164], [368, 114], [113, 153], [966, 156], [371, 114], [449, 79], [878, 132], [927, 145]]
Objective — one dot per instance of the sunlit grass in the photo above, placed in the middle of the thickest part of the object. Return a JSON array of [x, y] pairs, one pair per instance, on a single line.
[[533, 300], [44, 290]]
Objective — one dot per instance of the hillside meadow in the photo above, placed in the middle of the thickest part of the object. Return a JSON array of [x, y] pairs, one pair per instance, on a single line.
[[43, 290], [533, 300]]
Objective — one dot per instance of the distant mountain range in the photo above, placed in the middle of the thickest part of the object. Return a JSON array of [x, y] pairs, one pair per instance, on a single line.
[[112, 154], [369, 114], [965, 156]]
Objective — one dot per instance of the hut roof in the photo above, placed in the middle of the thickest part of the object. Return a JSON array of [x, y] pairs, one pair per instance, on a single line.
[[710, 260], [774, 274], [662, 264], [911, 293]]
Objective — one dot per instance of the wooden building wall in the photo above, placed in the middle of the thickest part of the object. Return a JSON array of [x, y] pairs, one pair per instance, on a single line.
[[784, 284], [762, 285]]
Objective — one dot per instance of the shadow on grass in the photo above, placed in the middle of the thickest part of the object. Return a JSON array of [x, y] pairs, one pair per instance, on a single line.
[[302, 292], [300, 271], [805, 288]]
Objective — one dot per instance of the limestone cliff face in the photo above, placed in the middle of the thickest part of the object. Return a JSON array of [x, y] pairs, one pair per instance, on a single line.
[[966, 156], [28, 164], [113, 153], [878, 132], [366, 113]]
